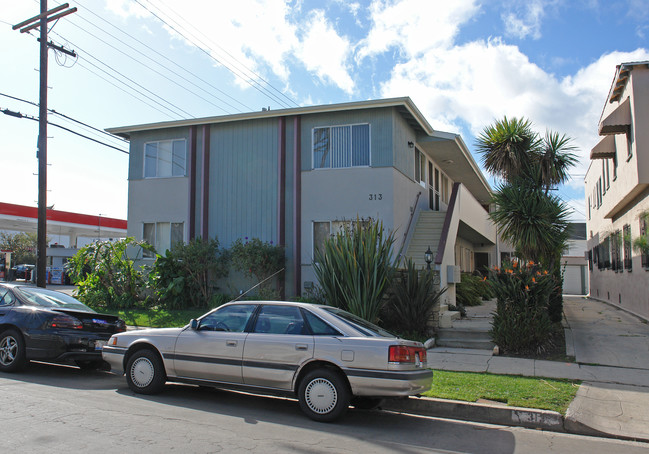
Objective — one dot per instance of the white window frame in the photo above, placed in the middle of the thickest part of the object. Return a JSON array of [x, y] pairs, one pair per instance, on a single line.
[[350, 126], [157, 173]]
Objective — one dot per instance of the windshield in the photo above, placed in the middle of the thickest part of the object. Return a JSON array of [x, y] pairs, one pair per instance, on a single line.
[[50, 298], [359, 324]]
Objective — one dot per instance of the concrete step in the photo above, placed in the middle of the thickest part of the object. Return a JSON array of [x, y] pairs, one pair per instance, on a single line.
[[464, 338], [465, 343], [458, 333]]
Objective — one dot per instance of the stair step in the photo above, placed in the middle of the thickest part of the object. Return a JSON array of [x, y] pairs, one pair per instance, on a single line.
[[465, 343], [458, 333]]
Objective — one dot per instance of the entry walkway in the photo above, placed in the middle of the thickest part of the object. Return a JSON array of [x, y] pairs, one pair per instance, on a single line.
[[611, 348]]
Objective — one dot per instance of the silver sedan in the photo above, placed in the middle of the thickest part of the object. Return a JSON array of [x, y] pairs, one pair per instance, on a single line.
[[329, 358]]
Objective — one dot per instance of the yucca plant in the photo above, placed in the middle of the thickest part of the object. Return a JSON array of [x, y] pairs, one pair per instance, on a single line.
[[411, 302], [355, 266]]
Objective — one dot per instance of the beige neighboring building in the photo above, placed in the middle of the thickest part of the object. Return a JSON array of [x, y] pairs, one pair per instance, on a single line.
[[617, 193]]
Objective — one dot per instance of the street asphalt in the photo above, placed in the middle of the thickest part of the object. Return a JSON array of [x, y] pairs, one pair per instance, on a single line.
[[610, 348]]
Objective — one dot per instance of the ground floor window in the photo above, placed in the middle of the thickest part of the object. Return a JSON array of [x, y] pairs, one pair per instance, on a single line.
[[162, 235], [326, 229]]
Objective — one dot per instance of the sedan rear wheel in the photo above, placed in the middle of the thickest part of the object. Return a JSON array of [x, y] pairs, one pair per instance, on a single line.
[[323, 395], [12, 351], [145, 372]]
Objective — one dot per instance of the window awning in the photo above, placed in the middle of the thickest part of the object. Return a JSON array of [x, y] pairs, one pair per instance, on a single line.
[[618, 121], [605, 149]]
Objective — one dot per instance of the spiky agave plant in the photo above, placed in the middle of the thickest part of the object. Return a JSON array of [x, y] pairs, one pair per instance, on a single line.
[[355, 266]]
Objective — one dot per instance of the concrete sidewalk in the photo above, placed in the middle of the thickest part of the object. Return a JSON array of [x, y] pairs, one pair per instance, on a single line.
[[611, 349]]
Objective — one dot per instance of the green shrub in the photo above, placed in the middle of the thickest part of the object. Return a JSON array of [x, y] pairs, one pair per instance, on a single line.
[[185, 276], [259, 259], [521, 323], [354, 268], [411, 302], [106, 277], [469, 291]]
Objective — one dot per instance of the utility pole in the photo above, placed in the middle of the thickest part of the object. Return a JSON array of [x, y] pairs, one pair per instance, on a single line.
[[35, 22]]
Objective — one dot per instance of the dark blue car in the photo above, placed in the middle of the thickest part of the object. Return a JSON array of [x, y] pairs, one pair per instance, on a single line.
[[42, 324]]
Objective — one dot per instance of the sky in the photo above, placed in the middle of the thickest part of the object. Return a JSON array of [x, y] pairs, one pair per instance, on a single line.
[[464, 63]]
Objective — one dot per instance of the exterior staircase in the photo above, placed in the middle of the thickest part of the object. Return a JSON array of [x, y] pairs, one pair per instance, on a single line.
[[427, 233], [470, 332]]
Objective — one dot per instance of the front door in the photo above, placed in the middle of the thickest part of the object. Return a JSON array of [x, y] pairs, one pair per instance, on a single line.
[[275, 348], [214, 351]]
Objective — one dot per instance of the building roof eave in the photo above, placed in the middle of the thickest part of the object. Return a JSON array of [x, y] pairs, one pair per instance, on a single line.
[[404, 104]]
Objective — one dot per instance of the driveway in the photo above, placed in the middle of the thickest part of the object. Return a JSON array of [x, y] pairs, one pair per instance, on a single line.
[[605, 335]]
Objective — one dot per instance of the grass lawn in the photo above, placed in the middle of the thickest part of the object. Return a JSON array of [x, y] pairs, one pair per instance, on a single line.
[[160, 318], [528, 392]]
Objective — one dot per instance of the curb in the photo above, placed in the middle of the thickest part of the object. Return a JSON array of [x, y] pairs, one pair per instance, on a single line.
[[478, 412]]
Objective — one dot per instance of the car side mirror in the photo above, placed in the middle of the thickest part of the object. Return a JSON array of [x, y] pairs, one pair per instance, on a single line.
[[193, 324]]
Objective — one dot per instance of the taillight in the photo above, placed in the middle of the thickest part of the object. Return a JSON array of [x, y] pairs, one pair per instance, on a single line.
[[65, 322], [120, 326], [406, 354]]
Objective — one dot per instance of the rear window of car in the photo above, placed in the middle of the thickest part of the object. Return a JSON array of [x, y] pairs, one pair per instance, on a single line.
[[49, 298], [359, 324], [320, 327]]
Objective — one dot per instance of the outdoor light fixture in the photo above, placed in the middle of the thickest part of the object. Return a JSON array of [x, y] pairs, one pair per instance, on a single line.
[[428, 256], [411, 144]]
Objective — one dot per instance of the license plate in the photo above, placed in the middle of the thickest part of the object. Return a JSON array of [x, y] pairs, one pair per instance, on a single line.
[[99, 344]]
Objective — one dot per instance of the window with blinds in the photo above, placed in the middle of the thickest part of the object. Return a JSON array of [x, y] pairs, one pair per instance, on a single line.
[[341, 146]]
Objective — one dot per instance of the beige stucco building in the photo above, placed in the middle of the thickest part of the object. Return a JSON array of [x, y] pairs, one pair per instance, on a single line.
[[617, 193]]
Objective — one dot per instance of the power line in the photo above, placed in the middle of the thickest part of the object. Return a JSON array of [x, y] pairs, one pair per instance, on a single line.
[[156, 71], [112, 136], [132, 81], [124, 91], [164, 57], [241, 64], [253, 83], [29, 117]]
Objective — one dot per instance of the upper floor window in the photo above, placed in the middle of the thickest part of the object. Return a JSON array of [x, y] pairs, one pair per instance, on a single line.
[[341, 146], [166, 158], [420, 166]]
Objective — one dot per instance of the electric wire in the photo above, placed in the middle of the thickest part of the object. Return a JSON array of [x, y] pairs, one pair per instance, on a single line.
[[162, 56], [124, 91], [112, 136], [30, 117], [256, 85], [178, 109], [241, 64], [154, 70]]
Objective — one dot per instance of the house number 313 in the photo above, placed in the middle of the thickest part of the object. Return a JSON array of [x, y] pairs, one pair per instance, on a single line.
[[376, 196]]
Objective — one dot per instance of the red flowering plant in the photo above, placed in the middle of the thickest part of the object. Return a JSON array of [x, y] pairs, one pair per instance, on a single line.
[[521, 323]]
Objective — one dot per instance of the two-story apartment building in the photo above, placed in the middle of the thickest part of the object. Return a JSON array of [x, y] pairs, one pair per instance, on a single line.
[[617, 193], [294, 176]]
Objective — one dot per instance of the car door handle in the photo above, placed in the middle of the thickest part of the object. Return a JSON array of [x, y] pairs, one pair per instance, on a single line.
[[231, 343], [301, 347]]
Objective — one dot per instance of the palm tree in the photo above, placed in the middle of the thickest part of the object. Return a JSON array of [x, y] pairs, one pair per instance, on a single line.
[[531, 219], [555, 157], [507, 147]]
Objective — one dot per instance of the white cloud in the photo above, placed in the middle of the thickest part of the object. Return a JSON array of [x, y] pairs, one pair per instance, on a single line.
[[478, 82], [415, 26], [258, 36], [324, 52], [527, 22]]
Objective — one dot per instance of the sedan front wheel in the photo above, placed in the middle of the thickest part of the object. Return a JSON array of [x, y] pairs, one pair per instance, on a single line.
[[323, 395], [145, 373]]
